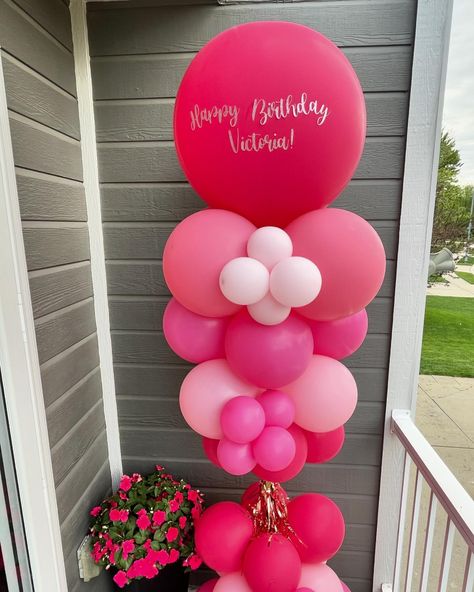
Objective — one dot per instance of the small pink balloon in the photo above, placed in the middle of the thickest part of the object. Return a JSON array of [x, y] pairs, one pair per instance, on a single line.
[[278, 407], [244, 280], [318, 576], [210, 449], [340, 338], [269, 245], [324, 446], [233, 582], [242, 419], [268, 356], [268, 311], [274, 449], [325, 396], [345, 587], [295, 281], [209, 586], [193, 337], [236, 459]]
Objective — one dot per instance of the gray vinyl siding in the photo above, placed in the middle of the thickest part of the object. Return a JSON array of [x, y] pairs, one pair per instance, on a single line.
[[139, 54], [35, 37]]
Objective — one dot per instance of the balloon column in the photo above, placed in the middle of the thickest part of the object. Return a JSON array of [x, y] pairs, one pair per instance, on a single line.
[[269, 290]]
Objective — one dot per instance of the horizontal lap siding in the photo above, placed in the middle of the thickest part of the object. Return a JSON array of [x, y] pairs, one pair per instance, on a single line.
[[139, 55], [38, 66]]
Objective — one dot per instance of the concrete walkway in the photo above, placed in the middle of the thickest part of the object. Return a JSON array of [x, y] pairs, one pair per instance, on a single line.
[[455, 286]]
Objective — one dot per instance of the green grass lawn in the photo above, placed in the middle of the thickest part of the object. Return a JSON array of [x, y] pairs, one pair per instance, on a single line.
[[448, 338], [465, 275]]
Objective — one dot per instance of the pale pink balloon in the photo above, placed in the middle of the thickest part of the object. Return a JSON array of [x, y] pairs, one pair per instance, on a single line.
[[269, 245], [191, 336], [236, 459], [349, 255], [244, 280], [278, 407], [242, 419], [318, 576], [274, 449], [195, 254], [340, 338], [233, 582], [325, 395], [205, 391], [268, 311], [209, 586], [295, 281]]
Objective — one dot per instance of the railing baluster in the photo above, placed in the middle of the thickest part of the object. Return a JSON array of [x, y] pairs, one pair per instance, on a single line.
[[446, 557], [401, 524], [468, 585], [413, 531], [430, 529]]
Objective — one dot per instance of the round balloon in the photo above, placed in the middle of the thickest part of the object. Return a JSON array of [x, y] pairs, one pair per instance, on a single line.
[[222, 535], [269, 245], [269, 121], [205, 391], [340, 338], [233, 582], [325, 395], [274, 449], [195, 254], [271, 564], [324, 446], [268, 356], [210, 449], [193, 337], [319, 576], [278, 407], [319, 527], [236, 459], [348, 253], [268, 311], [242, 419]]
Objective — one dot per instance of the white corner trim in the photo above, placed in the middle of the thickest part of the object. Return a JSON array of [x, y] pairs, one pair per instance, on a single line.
[[21, 378], [92, 190], [433, 25]]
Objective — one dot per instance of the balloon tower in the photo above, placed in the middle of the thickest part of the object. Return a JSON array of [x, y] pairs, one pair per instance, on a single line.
[[269, 291]]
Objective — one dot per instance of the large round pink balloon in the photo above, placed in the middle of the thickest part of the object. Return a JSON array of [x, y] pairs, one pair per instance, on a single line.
[[195, 254], [233, 582], [340, 338], [325, 395], [269, 121], [271, 564], [193, 337], [209, 585], [205, 391], [319, 527], [324, 446], [350, 256], [268, 356], [222, 535], [319, 576]]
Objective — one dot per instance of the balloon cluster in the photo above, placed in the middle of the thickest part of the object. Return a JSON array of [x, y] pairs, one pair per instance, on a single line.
[[270, 542]]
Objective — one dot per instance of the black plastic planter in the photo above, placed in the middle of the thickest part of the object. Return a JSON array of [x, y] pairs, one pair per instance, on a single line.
[[171, 578]]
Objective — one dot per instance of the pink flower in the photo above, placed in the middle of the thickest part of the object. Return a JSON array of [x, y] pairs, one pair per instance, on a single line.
[[95, 511], [125, 483], [114, 515], [128, 547], [97, 552], [174, 506], [172, 534], [123, 516], [178, 496], [159, 517], [143, 521], [147, 544], [113, 550], [192, 495], [163, 557], [120, 578], [123, 496], [159, 467], [174, 556], [142, 568], [182, 521], [196, 512], [136, 477], [194, 561]]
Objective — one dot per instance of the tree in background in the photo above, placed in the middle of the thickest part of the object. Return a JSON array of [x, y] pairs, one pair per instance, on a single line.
[[453, 201]]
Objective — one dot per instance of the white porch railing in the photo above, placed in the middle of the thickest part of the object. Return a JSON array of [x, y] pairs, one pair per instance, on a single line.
[[445, 491]]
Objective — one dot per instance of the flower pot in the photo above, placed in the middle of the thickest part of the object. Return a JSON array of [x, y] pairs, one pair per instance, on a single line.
[[171, 578]]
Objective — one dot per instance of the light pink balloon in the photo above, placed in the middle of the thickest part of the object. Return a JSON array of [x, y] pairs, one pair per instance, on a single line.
[[268, 311], [340, 338], [278, 407], [274, 449], [269, 245], [195, 254], [325, 395], [236, 459], [193, 337], [232, 582], [295, 281], [205, 391], [242, 419], [318, 576], [209, 586], [349, 255], [244, 280]]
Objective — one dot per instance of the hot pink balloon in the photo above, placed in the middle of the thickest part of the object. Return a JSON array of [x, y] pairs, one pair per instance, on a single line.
[[268, 356], [242, 419], [195, 254], [271, 564], [350, 256], [319, 527], [193, 337], [210, 449], [205, 391], [209, 586], [294, 467], [269, 121], [324, 446], [236, 459], [274, 449], [233, 582], [319, 576], [340, 338], [325, 395], [251, 494], [278, 407], [222, 534]]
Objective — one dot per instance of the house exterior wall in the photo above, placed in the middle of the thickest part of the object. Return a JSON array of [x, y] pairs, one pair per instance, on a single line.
[[139, 54], [36, 53]]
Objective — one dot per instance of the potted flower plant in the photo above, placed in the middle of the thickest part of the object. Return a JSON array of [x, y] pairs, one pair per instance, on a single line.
[[144, 532]]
